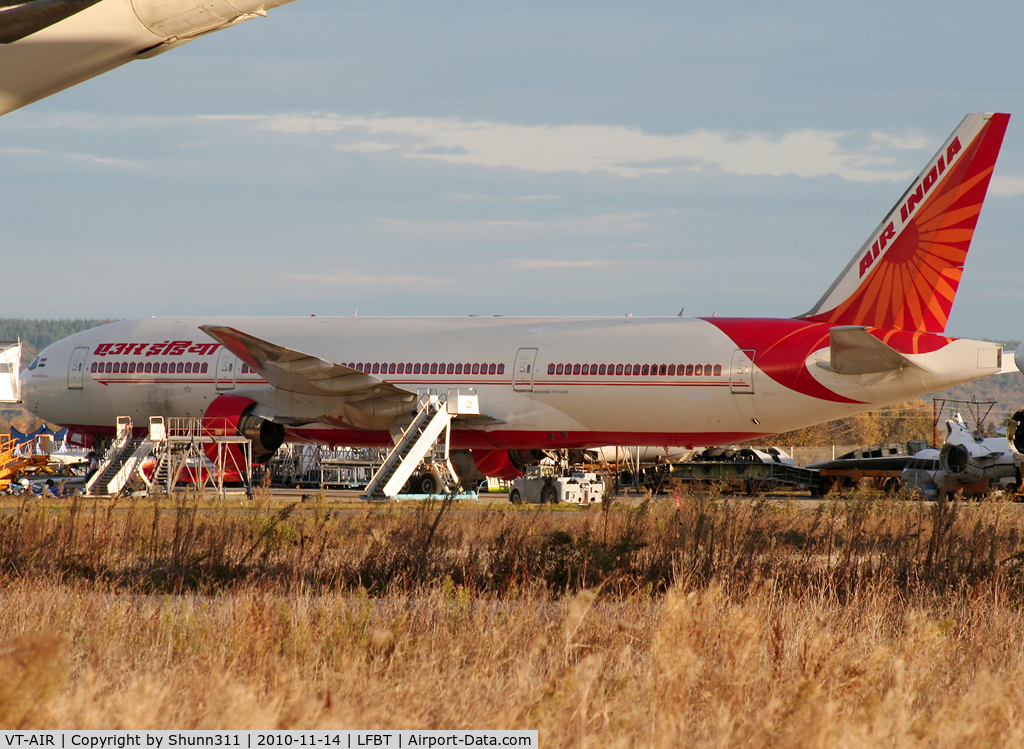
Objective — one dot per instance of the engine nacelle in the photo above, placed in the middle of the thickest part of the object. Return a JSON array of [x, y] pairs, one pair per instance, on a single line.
[[967, 459], [505, 464], [233, 412], [1014, 432]]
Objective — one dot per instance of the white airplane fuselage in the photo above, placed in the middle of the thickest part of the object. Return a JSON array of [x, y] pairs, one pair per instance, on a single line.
[[695, 386]]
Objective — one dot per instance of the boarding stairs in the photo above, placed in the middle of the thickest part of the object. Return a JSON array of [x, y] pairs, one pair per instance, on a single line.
[[418, 438], [123, 460]]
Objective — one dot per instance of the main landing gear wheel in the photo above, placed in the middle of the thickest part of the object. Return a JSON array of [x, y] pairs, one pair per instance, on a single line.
[[515, 497], [428, 484]]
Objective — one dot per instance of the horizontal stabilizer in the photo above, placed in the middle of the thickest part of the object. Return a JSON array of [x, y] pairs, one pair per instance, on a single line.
[[854, 351]]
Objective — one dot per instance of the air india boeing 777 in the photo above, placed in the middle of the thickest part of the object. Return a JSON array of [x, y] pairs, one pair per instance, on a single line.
[[874, 338]]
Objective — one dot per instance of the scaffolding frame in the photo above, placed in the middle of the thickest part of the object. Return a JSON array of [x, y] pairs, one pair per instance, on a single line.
[[182, 454]]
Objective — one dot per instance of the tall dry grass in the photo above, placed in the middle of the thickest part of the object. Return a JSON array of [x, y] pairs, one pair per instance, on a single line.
[[710, 623]]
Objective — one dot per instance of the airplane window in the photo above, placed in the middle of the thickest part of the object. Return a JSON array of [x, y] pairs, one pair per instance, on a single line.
[[117, 367], [401, 368], [204, 368], [698, 370], [181, 367], [451, 369], [707, 370], [689, 370], [586, 369], [188, 367], [93, 368], [646, 370], [629, 369], [426, 368], [636, 369], [476, 369], [662, 370], [551, 368], [602, 370], [492, 368], [408, 367], [376, 368], [618, 369], [501, 369], [391, 368], [359, 367], [483, 369], [593, 369], [458, 369], [560, 369], [718, 370], [671, 369], [131, 368], [433, 369]]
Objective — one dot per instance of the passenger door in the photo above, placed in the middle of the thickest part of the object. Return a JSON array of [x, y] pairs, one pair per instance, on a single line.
[[76, 368], [227, 363], [523, 371], [741, 375]]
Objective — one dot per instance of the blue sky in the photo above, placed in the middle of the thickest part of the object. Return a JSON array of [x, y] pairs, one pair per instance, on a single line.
[[453, 158]]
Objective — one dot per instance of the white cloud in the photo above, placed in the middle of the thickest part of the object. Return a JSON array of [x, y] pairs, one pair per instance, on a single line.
[[529, 264], [1006, 185], [627, 152], [359, 280], [79, 157], [366, 147], [909, 142]]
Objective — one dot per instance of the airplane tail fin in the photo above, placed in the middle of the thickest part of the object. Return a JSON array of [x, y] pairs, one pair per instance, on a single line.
[[906, 275]]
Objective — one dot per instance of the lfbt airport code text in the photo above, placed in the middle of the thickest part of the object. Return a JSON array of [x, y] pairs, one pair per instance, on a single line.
[[269, 739]]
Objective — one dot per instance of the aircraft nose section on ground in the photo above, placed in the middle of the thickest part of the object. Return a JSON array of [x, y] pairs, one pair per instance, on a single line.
[[26, 389]]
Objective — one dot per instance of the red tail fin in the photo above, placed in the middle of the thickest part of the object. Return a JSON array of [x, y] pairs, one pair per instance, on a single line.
[[906, 275]]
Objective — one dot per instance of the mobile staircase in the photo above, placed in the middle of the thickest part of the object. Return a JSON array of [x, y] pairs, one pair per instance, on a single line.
[[418, 437], [122, 461]]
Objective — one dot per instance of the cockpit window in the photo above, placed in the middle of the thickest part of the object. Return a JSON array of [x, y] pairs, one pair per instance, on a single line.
[[34, 364]]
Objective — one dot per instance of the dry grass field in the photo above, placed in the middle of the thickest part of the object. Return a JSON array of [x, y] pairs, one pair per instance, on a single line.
[[695, 621]]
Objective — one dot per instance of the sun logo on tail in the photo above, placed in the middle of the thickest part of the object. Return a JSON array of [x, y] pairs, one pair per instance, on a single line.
[[907, 275]]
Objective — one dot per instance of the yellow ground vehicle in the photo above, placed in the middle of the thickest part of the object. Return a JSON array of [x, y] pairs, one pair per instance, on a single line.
[[13, 460]]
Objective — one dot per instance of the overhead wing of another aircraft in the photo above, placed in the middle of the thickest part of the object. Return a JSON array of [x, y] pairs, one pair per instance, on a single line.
[[49, 45]]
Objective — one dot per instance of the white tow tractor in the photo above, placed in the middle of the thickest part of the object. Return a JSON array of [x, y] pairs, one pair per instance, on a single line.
[[547, 484]]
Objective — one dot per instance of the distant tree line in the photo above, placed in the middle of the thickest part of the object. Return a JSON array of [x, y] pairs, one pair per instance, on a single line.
[[36, 335]]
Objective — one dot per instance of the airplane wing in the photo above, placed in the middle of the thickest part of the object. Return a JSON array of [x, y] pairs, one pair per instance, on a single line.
[[49, 45], [306, 387], [296, 372], [854, 351], [21, 18]]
